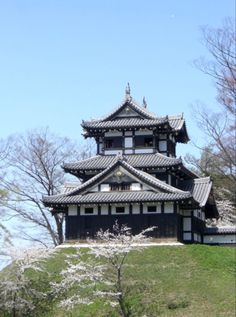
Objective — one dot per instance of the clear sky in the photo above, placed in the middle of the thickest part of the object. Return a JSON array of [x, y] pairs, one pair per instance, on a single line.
[[64, 61]]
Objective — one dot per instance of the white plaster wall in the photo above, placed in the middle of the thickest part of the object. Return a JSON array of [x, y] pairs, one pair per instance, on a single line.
[[143, 132], [72, 210], [128, 142], [135, 209], [231, 238], [105, 187], [113, 210], [143, 150], [82, 208], [128, 151], [162, 146], [168, 208], [128, 133], [145, 208], [187, 224], [203, 215], [113, 133], [104, 209], [135, 186], [112, 152], [100, 148]]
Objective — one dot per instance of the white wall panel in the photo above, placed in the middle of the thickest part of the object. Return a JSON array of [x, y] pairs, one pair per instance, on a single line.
[[158, 208], [128, 142], [187, 224], [113, 133], [231, 238], [144, 150], [105, 187], [168, 208], [72, 210], [112, 152], [135, 209], [162, 146], [82, 210], [104, 209], [144, 132], [135, 186], [113, 210]]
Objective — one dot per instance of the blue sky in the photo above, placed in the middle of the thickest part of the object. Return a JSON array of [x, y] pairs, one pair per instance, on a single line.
[[64, 61]]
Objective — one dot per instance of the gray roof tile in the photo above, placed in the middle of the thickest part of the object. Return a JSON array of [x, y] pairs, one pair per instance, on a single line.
[[175, 124], [81, 191], [200, 188], [113, 197], [130, 102], [100, 162]]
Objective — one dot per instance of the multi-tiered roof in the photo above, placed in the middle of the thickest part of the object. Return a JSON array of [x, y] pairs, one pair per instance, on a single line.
[[142, 168], [132, 116]]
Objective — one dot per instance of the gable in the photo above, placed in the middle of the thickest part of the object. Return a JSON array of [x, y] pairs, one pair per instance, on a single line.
[[121, 180], [128, 109], [126, 112]]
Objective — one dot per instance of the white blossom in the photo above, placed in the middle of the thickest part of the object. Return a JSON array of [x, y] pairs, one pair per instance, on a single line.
[[16, 290], [102, 272]]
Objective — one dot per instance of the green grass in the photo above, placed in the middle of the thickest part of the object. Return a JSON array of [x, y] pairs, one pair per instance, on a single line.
[[191, 281]]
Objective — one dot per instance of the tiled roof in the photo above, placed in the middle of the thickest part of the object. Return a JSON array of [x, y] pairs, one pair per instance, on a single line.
[[114, 197], [100, 162], [200, 188], [169, 192], [176, 123], [124, 123], [220, 230], [142, 118], [142, 176], [130, 102]]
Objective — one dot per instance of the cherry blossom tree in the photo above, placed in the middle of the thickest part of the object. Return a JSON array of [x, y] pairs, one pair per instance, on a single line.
[[102, 271], [17, 293]]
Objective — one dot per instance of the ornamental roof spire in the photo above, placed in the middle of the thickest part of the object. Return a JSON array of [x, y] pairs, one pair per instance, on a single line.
[[144, 103], [127, 91]]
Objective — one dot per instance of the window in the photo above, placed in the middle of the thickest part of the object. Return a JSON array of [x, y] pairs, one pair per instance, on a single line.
[[120, 210], [120, 187], [111, 143], [88, 210], [143, 141], [152, 208]]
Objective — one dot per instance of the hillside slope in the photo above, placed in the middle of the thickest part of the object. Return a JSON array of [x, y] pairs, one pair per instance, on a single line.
[[191, 281]]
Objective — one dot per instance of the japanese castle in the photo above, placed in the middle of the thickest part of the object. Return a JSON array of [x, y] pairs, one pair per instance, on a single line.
[[136, 179]]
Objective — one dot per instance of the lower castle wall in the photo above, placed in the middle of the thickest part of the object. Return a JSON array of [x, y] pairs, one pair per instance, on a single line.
[[82, 227]]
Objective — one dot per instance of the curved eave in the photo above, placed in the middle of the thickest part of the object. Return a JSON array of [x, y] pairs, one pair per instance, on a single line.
[[113, 198], [182, 134], [139, 161], [121, 124]]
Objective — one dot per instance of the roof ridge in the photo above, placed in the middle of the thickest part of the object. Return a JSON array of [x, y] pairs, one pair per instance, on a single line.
[[167, 186], [155, 180]]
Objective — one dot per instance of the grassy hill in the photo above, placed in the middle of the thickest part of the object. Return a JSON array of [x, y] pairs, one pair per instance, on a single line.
[[191, 281]]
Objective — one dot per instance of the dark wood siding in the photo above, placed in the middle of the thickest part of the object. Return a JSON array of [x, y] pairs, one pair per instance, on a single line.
[[81, 227]]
